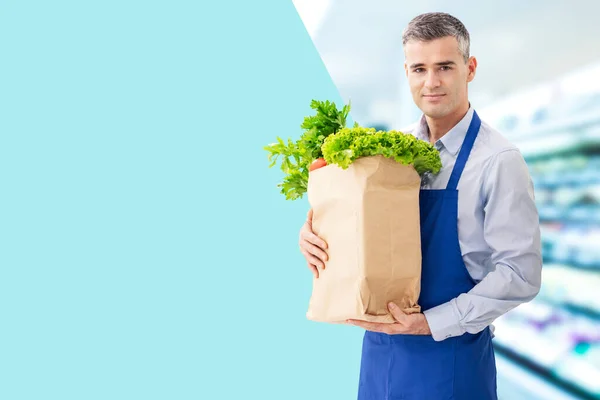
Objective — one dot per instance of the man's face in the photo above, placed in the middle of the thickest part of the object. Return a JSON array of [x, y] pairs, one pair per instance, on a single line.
[[438, 75]]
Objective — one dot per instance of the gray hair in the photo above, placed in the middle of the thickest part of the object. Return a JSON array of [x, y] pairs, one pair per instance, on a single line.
[[436, 25]]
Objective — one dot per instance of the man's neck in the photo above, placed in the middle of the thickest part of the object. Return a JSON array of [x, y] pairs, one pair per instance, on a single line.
[[438, 127]]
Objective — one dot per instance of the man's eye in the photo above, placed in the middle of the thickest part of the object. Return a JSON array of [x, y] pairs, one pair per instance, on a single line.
[[418, 70], [445, 68]]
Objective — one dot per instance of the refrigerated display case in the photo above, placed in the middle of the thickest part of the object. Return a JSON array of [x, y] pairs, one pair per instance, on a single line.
[[556, 337]]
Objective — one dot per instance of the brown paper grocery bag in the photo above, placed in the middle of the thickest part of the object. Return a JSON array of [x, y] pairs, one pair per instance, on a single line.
[[369, 216]]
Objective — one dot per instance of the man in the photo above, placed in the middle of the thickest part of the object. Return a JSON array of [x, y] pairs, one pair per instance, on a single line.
[[479, 230]]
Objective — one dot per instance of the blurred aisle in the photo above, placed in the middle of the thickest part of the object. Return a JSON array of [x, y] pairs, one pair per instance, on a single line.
[[518, 383], [556, 125]]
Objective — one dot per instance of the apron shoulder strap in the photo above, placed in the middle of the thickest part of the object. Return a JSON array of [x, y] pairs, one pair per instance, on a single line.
[[465, 150]]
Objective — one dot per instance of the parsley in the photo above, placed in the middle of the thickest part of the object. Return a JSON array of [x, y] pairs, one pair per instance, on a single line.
[[296, 157]]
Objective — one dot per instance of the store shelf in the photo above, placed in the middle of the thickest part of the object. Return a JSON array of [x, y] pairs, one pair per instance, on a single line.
[[573, 391], [572, 179], [515, 382], [572, 217], [555, 338], [561, 139], [574, 290], [563, 145], [572, 243], [552, 127], [544, 339]]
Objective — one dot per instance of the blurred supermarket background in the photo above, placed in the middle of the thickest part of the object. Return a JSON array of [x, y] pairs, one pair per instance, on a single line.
[[538, 81]]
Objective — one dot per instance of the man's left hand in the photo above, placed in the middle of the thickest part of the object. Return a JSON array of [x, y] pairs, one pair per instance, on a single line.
[[408, 324]]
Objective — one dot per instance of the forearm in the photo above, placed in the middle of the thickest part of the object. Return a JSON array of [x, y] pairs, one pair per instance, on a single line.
[[499, 292]]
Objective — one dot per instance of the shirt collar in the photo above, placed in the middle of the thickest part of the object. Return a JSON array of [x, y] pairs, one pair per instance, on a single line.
[[453, 139]]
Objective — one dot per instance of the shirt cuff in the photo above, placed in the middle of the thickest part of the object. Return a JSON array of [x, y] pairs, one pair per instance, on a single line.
[[443, 321]]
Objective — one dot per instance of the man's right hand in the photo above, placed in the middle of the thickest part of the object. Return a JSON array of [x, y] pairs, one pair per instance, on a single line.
[[313, 247]]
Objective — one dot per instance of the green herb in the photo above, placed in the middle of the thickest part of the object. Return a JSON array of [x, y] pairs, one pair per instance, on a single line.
[[293, 165], [327, 121], [296, 157]]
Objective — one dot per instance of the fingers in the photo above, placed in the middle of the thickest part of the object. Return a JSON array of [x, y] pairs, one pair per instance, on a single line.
[[374, 326], [309, 249], [313, 269], [410, 323], [314, 256], [316, 251], [312, 246], [406, 324], [310, 237], [398, 314], [313, 262], [308, 233]]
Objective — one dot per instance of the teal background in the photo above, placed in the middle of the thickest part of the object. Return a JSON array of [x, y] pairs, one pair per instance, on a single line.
[[145, 251]]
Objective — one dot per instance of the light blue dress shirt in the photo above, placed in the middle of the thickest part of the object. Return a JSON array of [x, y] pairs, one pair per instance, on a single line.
[[498, 228]]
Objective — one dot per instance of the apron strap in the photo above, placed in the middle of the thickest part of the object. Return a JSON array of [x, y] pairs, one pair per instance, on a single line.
[[465, 150]]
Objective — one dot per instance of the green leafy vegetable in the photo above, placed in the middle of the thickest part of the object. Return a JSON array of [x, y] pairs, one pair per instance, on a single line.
[[293, 165], [327, 121], [295, 157], [326, 136], [351, 143]]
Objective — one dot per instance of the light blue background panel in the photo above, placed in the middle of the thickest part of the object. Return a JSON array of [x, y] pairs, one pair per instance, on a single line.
[[145, 250]]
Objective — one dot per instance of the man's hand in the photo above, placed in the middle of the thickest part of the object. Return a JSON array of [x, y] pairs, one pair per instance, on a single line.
[[409, 324], [312, 246]]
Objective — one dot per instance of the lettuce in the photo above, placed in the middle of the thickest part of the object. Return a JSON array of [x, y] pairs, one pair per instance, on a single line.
[[345, 146]]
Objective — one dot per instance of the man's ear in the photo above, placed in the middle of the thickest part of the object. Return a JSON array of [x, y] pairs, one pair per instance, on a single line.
[[472, 67], [406, 69]]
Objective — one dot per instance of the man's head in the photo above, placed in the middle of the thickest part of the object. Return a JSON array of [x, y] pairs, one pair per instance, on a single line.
[[437, 63]]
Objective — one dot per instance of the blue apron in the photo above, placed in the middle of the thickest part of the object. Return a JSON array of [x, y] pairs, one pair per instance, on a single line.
[[415, 367]]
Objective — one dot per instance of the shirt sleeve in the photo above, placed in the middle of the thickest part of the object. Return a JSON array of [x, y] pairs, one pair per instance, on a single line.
[[512, 232]]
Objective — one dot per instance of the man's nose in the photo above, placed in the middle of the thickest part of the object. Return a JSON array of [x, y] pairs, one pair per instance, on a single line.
[[432, 80]]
